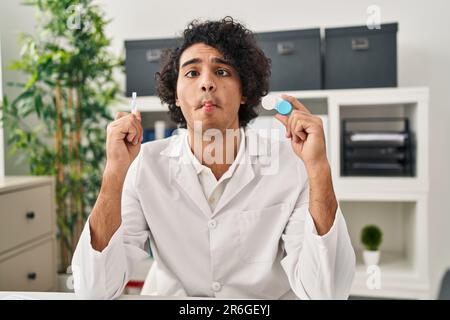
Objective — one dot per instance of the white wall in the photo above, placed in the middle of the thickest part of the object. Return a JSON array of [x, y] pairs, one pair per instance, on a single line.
[[14, 19], [2, 159], [423, 58]]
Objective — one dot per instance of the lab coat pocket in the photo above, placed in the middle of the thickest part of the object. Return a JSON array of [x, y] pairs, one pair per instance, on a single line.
[[260, 233]]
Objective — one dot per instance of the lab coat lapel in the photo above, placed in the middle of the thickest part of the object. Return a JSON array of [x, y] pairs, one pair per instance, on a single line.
[[245, 173], [183, 173], [187, 180]]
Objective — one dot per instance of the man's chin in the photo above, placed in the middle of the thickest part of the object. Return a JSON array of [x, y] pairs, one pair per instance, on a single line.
[[203, 124], [207, 124]]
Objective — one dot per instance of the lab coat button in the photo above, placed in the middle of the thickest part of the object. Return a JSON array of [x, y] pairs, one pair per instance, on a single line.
[[212, 224], [216, 286]]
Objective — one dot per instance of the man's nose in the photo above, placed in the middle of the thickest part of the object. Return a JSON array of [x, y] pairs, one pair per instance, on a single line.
[[208, 85]]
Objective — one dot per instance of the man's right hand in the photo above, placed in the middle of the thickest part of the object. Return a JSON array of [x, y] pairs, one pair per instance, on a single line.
[[123, 141]]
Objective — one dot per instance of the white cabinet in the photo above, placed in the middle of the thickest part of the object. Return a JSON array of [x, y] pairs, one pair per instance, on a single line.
[[399, 205], [27, 234]]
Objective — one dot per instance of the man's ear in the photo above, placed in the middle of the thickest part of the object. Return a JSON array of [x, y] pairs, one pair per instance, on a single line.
[[243, 100], [177, 102]]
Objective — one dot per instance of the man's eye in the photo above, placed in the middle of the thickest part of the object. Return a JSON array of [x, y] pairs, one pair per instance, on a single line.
[[223, 72], [192, 74]]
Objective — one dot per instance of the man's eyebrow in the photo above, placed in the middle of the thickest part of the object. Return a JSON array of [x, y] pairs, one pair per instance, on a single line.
[[191, 61], [221, 61], [197, 60]]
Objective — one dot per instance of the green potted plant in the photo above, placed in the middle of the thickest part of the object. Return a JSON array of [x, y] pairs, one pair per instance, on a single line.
[[70, 86], [371, 238]]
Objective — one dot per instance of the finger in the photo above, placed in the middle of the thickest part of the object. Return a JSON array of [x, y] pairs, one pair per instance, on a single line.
[[292, 118], [120, 114], [139, 124], [297, 131], [138, 115], [139, 135], [300, 128], [288, 126], [131, 135], [297, 105], [134, 135], [130, 129], [295, 138], [123, 128], [282, 119], [293, 126], [285, 121], [297, 114], [290, 122]]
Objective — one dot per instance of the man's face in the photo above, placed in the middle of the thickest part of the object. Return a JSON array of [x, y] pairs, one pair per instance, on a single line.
[[208, 89]]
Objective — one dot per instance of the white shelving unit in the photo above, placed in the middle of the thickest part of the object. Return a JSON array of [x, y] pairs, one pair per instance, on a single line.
[[399, 205]]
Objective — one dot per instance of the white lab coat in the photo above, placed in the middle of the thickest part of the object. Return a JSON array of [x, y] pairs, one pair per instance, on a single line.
[[259, 242]]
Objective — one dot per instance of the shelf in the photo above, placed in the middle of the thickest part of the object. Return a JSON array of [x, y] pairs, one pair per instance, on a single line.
[[355, 186], [397, 220], [404, 257], [391, 263], [410, 103], [374, 95], [398, 278], [394, 95]]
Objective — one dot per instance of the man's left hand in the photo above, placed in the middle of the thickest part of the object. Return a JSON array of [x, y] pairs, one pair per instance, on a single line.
[[306, 133], [308, 142]]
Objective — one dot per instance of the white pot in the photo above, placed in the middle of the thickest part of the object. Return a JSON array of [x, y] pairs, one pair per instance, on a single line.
[[371, 257]]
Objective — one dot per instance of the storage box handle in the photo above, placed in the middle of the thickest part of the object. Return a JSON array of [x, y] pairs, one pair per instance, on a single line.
[[360, 44], [285, 48], [153, 55]]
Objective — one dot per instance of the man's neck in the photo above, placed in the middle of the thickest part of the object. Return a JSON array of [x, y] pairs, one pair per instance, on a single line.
[[216, 153]]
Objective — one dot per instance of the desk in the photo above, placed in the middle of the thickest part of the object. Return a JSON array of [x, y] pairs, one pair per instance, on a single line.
[[21, 295]]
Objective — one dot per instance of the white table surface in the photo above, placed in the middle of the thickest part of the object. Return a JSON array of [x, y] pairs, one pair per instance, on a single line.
[[20, 295]]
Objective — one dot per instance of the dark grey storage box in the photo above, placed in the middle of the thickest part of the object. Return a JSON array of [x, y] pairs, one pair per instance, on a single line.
[[296, 58], [357, 57], [142, 61]]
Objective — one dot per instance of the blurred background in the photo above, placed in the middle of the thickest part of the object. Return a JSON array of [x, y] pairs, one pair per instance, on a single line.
[[376, 72]]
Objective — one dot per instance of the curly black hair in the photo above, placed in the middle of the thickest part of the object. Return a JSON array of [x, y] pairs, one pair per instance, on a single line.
[[239, 47]]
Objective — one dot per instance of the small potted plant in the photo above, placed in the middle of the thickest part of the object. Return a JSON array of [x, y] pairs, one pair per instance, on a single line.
[[371, 238]]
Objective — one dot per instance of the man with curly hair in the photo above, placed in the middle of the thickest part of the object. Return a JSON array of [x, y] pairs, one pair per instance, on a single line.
[[227, 213]]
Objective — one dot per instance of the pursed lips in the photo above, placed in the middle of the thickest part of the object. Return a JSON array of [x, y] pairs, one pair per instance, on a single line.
[[208, 104]]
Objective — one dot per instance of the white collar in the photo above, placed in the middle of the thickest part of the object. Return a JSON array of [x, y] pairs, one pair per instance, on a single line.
[[255, 144], [199, 167]]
